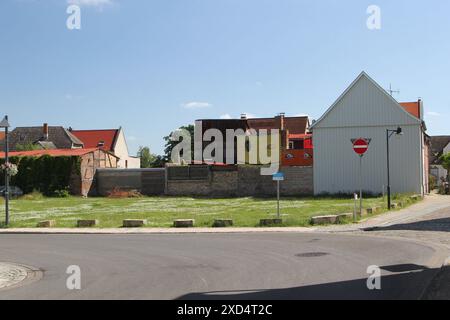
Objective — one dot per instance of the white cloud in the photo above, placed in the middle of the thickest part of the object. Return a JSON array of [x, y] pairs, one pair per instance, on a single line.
[[91, 3], [196, 105], [433, 114], [225, 116]]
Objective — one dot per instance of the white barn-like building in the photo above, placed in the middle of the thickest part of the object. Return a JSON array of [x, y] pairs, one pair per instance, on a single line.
[[366, 110]]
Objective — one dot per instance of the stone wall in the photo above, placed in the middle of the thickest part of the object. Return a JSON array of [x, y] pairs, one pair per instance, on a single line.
[[241, 181], [146, 181]]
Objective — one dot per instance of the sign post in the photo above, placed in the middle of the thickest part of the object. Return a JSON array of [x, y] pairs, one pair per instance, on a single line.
[[360, 146], [278, 177]]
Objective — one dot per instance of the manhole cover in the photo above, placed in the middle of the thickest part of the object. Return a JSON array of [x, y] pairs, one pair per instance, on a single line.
[[312, 254], [14, 275]]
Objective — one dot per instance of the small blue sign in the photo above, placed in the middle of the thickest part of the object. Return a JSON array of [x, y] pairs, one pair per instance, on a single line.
[[278, 176]]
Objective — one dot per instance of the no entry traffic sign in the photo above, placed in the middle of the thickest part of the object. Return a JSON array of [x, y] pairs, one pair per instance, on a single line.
[[360, 146]]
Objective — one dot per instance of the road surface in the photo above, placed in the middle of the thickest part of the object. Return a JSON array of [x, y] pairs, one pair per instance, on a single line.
[[219, 266]]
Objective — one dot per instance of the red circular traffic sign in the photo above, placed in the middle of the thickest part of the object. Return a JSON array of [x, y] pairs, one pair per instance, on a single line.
[[360, 146]]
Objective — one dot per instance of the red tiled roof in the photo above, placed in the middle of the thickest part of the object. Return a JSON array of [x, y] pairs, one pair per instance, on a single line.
[[299, 136], [52, 153], [92, 138], [412, 107], [2, 135]]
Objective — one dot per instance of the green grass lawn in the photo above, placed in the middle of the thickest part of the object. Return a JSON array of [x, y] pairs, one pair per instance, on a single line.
[[161, 211]]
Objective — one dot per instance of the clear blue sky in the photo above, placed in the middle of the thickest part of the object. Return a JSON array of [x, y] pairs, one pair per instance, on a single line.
[[151, 66]]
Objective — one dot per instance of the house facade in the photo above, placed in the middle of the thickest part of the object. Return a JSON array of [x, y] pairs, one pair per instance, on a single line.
[[366, 110], [112, 140], [295, 140]]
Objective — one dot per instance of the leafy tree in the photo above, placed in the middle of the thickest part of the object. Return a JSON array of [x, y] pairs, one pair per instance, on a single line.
[[147, 158], [171, 144], [445, 160]]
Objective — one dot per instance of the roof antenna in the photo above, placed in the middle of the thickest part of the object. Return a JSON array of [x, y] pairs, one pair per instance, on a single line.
[[391, 92]]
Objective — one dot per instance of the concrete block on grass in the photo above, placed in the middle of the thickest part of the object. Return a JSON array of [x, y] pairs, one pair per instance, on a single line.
[[87, 223], [345, 216], [330, 219], [46, 224], [134, 223], [270, 222], [223, 223], [184, 223]]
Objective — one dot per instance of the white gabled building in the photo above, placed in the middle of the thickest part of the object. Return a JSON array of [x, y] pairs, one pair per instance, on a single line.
[[366, 110]]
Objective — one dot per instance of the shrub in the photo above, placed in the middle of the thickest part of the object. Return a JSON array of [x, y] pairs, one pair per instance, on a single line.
[[61, 193], [45, 174]]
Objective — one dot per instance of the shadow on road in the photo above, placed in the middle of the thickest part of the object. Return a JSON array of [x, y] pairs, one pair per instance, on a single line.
[[410, 283], [442, 225]]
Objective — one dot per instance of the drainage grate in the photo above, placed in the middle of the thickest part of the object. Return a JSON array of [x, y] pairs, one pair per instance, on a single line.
[[311, 254]]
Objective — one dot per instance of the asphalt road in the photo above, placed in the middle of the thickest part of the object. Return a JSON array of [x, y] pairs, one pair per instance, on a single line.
[[218, 266]]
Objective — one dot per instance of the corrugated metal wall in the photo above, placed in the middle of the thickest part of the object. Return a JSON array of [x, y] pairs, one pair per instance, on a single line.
[[366, 111]]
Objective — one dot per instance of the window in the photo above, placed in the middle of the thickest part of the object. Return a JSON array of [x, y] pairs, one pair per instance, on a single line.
[[296, 144]]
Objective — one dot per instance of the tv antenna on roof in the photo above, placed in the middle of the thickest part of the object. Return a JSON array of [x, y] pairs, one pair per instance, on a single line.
[[391, 92]]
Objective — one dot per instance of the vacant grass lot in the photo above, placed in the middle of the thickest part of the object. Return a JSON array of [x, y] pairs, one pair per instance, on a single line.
[[161, 211]]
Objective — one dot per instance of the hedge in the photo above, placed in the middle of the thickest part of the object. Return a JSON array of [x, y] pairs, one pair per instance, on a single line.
[[45, 174]]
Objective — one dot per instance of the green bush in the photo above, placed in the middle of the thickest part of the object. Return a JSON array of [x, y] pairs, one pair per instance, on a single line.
[[44, 174], [61, 194]]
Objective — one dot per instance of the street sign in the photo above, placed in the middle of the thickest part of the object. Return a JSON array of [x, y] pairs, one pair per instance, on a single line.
[[278, 176], [360, 146]]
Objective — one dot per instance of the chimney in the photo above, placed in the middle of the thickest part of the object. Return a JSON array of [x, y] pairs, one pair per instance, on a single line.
[[45, 131], [243, 116], [280, 120]]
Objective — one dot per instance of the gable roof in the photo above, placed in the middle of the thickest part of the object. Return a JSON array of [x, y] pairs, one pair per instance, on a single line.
[[59, 136], [53, 153], [413, 108], [93, 138], [376, 85], [438, 144]]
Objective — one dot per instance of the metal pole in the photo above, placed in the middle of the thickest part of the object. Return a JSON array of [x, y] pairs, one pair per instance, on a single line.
[[355, 198], [388, 171], [6, 179], [278, 199], [360, 186]]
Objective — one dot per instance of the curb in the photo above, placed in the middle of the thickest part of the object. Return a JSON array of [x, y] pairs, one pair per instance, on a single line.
[[143, 231]]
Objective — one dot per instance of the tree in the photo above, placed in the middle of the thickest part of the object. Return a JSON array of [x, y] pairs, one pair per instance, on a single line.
[[171, 144], [147, 158], [445, 161], [150, 160]]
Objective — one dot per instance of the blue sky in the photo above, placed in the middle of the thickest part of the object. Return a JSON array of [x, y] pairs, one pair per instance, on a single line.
[[151, 66]]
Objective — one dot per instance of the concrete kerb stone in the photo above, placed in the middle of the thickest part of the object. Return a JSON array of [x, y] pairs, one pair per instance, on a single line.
[[47, 224], [134, 223], [184, 223]]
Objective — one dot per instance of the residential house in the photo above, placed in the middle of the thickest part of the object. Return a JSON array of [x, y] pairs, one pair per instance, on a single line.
[[366, 110], [295, 140], [44, 137], [113, 141], [440, 145]]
